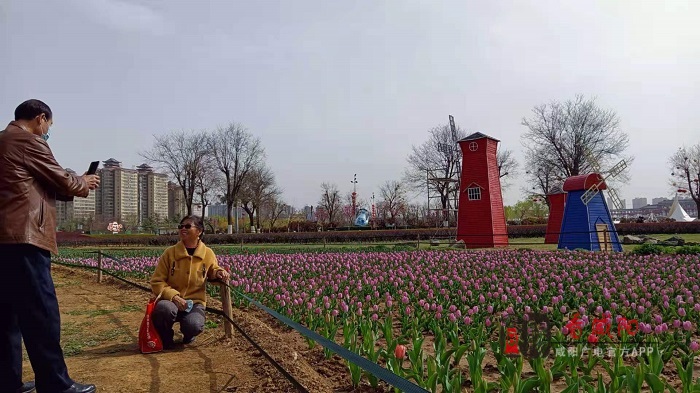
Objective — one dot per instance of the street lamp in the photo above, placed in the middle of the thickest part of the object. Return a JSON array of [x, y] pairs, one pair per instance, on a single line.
[[354, 195]]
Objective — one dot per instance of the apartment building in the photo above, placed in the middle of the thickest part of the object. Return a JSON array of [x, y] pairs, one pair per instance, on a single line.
[[152, 194], [117, 197], [638, 203], [221, 210], [177, 208], [75, 214], [656, 201]]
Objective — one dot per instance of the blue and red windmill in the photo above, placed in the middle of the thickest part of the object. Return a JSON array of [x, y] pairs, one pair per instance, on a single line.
[[587, 222]]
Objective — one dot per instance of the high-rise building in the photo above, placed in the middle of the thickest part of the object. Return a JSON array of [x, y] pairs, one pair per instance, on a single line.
[[117, 197], [153, 194], [623, 203], [177, 205], [176, 202], [656, 201], [639, 203], [288, 211], [220, 210], [308, 213], [77, 213]]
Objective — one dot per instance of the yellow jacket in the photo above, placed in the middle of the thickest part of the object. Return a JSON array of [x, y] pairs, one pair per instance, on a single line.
[[178, 273]]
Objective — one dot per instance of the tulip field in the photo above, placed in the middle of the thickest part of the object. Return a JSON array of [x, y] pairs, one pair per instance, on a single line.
[[547, 320]]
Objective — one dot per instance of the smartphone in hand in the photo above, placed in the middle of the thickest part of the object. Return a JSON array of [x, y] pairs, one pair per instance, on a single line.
[[93, 167]]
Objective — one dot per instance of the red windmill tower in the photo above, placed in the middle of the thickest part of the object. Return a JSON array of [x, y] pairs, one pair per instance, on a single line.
[[557, 200], [481, 218]]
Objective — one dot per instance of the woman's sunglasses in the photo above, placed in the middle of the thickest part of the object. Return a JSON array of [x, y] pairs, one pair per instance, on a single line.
[[186, 226]]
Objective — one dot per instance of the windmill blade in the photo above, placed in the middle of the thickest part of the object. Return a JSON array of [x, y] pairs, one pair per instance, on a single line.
[[619, 167], [589, 194], [615, 198], [595, 165]]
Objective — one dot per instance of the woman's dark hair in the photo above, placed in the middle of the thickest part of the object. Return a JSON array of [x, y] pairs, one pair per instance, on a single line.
[[30, 109], [196, 221]]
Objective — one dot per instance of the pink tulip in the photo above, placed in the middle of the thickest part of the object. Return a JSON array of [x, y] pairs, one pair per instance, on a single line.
[[694, 346]]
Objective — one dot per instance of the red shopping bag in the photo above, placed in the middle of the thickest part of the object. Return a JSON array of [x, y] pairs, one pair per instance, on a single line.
[[149, 339]]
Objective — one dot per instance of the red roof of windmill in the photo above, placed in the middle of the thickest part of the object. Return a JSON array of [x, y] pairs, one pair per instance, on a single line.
[[583, 182]]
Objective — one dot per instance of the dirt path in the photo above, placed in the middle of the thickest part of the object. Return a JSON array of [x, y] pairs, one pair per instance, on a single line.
[[100, 325]]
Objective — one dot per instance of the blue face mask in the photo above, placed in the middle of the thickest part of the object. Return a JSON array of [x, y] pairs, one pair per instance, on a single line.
[[48, 131]]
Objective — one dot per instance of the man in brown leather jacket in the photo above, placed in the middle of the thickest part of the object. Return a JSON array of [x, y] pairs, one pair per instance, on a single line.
[[30, 182]]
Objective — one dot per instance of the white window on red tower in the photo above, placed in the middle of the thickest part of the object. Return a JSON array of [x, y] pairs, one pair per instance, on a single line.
[[474, 193]]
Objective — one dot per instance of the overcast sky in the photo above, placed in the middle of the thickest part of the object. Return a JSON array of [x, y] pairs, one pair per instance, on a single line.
[[334, 88]]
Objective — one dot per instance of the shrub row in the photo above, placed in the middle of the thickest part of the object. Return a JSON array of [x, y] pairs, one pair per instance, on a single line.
[[633, 228], [655, 249], [377, 236], [365, 236]]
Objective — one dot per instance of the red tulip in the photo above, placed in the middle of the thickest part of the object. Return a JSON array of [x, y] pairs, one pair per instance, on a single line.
[[400, 351]]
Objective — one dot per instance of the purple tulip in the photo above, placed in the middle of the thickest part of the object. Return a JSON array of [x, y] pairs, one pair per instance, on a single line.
[[694, 346]]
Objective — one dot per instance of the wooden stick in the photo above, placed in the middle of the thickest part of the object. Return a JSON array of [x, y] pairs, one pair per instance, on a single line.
[[99, 267], [226, 306]]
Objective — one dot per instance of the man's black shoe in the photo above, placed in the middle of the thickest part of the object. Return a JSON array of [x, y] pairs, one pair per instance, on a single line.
[[27, 387], [80, 388]]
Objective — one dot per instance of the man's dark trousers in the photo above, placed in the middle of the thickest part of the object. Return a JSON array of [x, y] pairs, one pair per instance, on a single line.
[[29, 311]]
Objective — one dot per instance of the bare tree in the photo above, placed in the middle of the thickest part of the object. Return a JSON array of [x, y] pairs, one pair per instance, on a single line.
[[545, 179], [571, 138], [437, 158], [330, 201], [274, 207], [258, 188], [183, 155], [507, 166], [247, 206], [236, 153], [393, 202], [346, 212], [208, 183], [440, 158], [685, 164]]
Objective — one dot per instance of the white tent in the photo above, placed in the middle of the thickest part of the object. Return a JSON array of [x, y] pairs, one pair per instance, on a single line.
[[677, 213]]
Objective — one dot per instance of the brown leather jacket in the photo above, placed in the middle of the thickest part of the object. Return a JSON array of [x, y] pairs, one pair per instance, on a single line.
[[30, 182]]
